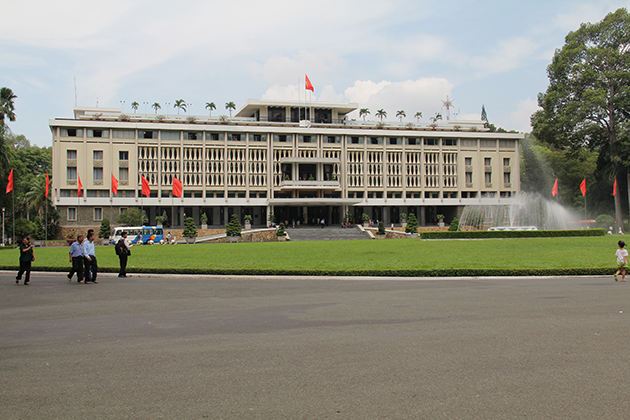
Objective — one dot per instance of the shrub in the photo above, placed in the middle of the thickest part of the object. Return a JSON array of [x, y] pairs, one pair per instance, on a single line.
[[161, 219], [271, 217], [604, 221], [105, 229], [479, 234], [454, 227], [233, 228], [381, 229], [39, 233], [403, 216], [130, 217], [365, 217], [412, 224], [24, 228], [281, 231], [190, 230], [204, 218]]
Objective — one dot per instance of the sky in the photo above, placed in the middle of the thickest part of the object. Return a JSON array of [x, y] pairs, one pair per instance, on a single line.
[[394, 55]]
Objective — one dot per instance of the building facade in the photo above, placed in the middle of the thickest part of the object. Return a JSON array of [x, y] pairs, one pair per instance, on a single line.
[[298, 162]]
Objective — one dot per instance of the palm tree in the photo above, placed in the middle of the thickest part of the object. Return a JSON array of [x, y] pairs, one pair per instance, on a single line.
[[381, 114], [36, 197], [210, 106], [230, 106], [437, 117], [363, 112], [180, 104], [156, 106], [418, 116], [401, 114], [134, 106], [6, 105]]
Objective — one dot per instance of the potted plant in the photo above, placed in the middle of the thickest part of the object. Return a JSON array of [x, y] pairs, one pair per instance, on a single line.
[[104, 231], [204, 221], [281, 233], [380, 233], [440, 218], [365, 218], [412, 225], [190, 230], [159, 220], [271, 218], [403, 219], [233, 229], [248, 221]]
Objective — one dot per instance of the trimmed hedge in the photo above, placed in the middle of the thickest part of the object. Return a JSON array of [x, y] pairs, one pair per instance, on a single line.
[[484, 234], [455, 272]]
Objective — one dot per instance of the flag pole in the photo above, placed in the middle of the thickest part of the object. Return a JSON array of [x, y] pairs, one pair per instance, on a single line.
[[13, 240]]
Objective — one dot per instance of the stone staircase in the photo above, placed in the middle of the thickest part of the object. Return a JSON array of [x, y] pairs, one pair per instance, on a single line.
[[329, 233]]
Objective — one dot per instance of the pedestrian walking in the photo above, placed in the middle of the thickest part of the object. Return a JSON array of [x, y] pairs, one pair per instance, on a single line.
[[26, 258], [622, 261], [123, 251], [76, 258], [91, 266]]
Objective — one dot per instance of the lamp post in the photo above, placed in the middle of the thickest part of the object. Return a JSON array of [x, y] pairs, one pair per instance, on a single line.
[[2, 226]]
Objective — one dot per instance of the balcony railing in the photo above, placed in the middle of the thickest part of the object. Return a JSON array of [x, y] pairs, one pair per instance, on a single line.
[[310, 185]]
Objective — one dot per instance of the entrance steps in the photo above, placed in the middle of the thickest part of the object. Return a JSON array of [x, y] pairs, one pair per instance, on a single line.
[[329, 233]]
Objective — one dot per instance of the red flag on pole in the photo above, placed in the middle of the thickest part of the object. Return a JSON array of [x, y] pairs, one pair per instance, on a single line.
[[309, 85], [177, 188], [10, 184], [47, 184], [615, 188], [80, 190], [554, 190], [114, 185], [583, 188], [146, 190]]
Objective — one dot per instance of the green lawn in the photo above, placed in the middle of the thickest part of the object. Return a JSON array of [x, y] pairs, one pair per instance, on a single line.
[[395, 254]]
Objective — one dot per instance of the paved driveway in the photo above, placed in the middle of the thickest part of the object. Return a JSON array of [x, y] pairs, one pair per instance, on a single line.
[[219, 348]]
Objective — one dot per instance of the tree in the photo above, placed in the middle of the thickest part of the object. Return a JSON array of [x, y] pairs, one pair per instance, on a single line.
[[401, 114], [381, 114], [233, 228], [105, 229], [230, 106], [190, 230], [484, 116], [7, 107], [134, 106], [130, 217], [586, 103], [436, 118], [210, 106], [418, 115], [412, 224], [180, 104], [156, 106], [36, 196], [363, 112]]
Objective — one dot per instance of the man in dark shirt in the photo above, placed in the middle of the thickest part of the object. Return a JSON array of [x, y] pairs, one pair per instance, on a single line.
[[76, 258], [26, 256]]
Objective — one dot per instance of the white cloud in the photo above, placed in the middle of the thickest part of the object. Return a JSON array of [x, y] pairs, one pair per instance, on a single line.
[[507, 55], [520, 119], [281, 69], [422, 95]]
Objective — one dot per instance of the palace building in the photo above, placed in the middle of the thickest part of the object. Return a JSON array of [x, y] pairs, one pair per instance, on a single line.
[[298, 162]]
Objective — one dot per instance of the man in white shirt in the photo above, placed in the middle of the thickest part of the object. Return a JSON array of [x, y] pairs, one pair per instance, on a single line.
[[90, 259]]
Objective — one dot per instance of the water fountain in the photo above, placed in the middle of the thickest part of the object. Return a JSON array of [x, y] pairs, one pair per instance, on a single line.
[[526, 209]]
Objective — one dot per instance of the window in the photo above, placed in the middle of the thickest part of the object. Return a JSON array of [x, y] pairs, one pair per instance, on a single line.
[[333, 139], [488, 178], [123, 174], [72, 213], [123, 155], [355, 140], [169, 135], [431, 142], [507, 143], [306, 139], [449, 142], [234, 137], [282, 138], [147, 134], [487, 161], [98, 174], [376, 140], [71, 173], [395, 140], [98, 155], [488, 143], [98, 213], [72, 132], [214, 136], [507, 178], [506, 161], [469, 143], [71, 154], [469, 178], [468, 161], [124, 134], [413, 141], [192, 136], [258, 137], [98, 133]]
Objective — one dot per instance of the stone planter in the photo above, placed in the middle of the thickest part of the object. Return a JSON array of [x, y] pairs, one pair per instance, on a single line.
[[441, 222], [403, 224], [248, 225], [379, 236], [158, 224], [281, 238], [104, 242], [366, 224], [191, 240], [38, 243], [234, 239], [414, 235], [204, 226]]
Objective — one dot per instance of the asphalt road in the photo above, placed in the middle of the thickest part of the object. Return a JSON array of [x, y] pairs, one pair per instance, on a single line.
[[228, 348]]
